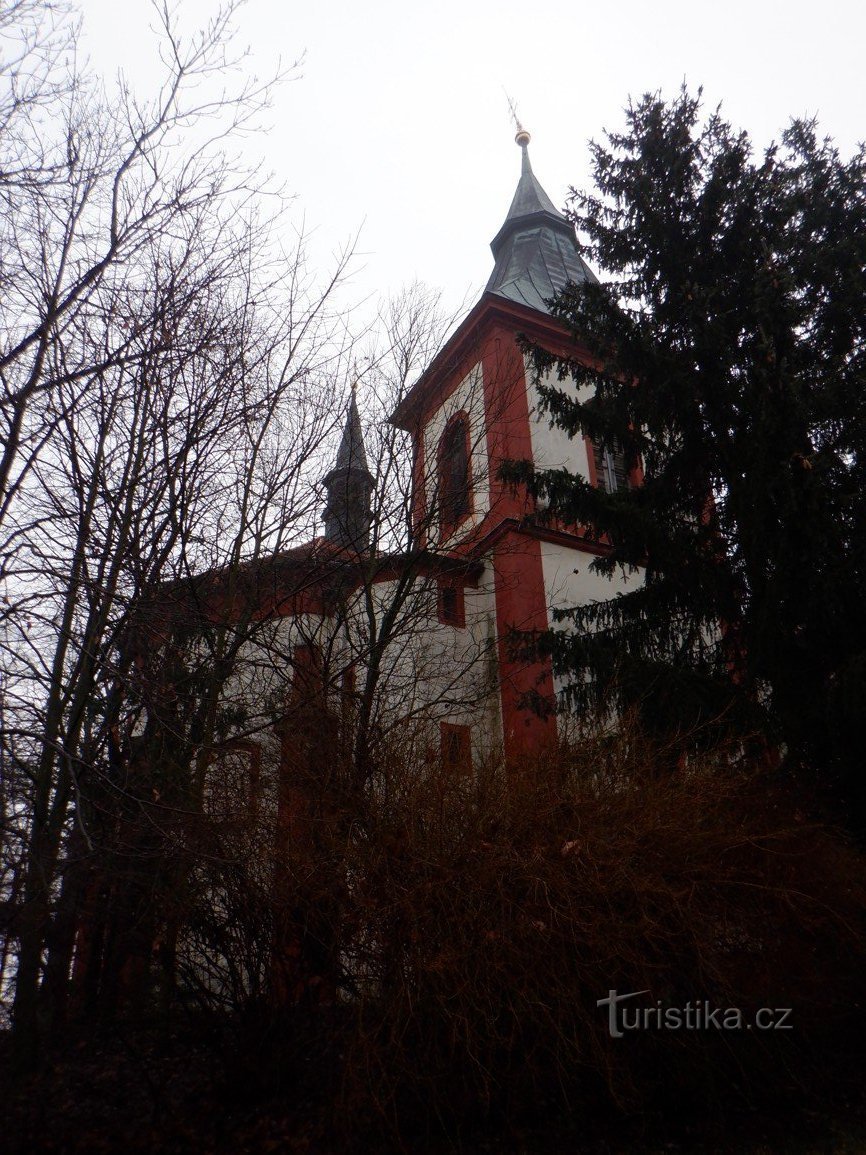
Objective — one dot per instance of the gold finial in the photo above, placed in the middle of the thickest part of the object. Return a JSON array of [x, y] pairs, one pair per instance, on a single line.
[[522, 137]]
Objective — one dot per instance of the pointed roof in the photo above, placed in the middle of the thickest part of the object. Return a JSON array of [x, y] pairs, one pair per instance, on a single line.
[[350, 486], [529, 197], [351, 454], [536, 249]]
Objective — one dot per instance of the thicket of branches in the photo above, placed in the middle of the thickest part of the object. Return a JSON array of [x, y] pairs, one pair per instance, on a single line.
[[173, 383], [446, 941]]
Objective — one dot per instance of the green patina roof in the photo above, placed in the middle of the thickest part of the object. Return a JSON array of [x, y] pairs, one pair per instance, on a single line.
[[536, 249]]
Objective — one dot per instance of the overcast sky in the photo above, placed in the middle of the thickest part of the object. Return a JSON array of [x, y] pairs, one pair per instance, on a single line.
[[398, 123]]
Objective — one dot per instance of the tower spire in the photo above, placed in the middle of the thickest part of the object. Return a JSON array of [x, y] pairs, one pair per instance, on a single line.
[[535, 250], [350, 487]]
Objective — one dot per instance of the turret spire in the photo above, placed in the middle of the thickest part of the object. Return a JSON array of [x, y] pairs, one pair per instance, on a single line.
[[350, 487]]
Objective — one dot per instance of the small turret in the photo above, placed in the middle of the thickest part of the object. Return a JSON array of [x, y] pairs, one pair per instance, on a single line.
[[350, 489]]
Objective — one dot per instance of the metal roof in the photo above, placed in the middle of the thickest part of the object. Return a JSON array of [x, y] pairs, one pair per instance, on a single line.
[[536, 249], [351, 454]]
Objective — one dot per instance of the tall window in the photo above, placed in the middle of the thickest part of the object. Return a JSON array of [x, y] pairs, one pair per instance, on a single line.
[[231, 782], [610, 470], [455, 494]]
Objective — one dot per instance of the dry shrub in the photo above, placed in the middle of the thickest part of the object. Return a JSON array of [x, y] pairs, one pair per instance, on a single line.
[[486, 915]]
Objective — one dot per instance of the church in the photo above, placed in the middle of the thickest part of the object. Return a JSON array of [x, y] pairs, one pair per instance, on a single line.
[[400, 631], [490, 566], [256, 688]]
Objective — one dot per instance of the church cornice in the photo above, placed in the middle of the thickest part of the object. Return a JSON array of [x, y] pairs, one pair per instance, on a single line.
[[464, 348]]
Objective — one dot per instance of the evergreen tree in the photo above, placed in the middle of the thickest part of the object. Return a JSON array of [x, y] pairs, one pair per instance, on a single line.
[[726, 357]]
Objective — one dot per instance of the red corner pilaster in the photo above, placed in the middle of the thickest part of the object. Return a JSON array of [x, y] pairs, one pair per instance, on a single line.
[[521, 605]]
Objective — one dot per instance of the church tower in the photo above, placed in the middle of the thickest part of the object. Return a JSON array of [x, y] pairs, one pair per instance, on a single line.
[[481, 385]]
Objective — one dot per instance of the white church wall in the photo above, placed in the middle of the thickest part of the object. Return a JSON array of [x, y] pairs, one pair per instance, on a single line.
[[257, 693], [485, 716], [432, 671], [262, 675], [552, 448], [429, 672], [570, 580]]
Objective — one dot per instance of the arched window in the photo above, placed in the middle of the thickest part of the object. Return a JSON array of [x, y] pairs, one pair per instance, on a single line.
[[455, 489], [232, 781]]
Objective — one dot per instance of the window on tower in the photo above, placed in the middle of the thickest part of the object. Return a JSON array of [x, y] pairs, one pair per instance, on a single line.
[[451, 604], [611, 473], [455, 488]]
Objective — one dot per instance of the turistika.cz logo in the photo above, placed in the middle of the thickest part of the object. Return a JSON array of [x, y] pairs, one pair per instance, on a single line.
[[694, 1016]]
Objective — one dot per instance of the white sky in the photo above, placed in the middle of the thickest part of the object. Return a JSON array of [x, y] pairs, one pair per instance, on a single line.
[[399, 125]]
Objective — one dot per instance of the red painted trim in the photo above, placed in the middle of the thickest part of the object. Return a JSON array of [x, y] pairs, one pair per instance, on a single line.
[[635, 476], [521, 604], [510, 525], [506, 409], [435, 384], [307, 673], [306, 601], [590, 456], [459, 566]]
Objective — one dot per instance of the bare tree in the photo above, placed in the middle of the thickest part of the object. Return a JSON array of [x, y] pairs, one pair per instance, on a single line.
[[413, 666], [89, 178], [165, 375]]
